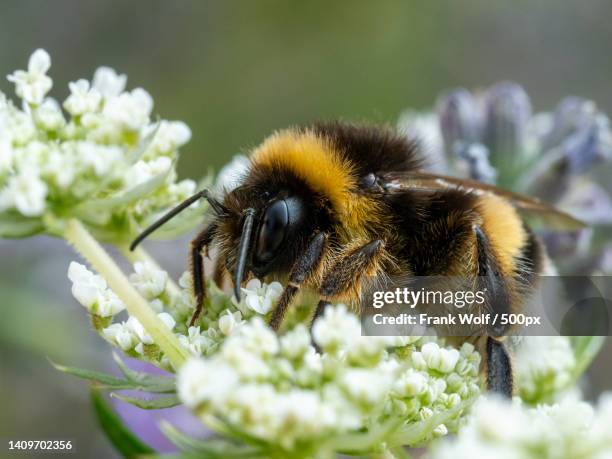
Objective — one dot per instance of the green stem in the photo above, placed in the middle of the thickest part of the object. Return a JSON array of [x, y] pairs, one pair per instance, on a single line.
[[136, 305], [139, 254]]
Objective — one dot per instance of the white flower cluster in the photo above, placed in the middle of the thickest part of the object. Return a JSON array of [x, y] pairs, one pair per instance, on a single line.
[[221, 316], [131, 335], [97, 156], [544, 367], [284, 392], [498, 428], [281, 390]]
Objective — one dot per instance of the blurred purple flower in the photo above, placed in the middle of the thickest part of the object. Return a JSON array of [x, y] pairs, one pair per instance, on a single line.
[[507, 114]]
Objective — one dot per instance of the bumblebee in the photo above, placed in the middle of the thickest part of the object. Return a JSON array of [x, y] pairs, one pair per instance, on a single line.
[[337, 207]]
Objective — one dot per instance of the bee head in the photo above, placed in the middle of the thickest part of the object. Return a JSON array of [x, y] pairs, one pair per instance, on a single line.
[[265, 232]]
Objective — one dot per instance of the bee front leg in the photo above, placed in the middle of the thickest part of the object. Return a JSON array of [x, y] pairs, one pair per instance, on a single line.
[[197, 268], [347, 274], [499, 368], [303, 267], [498, 299]]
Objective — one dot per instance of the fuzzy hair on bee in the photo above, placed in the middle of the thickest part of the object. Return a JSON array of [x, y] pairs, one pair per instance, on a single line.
[[337, 208]]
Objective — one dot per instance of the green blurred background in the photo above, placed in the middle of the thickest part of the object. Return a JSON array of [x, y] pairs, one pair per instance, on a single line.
[[235, 71]]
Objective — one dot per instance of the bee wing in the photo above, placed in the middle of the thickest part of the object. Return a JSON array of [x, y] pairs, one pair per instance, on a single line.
[[398, 182]]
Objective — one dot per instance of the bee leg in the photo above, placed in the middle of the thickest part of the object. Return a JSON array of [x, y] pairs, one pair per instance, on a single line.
[[499, 368], [197, 268], [219, 273], [346, 274], [492, 281], [303, 267]]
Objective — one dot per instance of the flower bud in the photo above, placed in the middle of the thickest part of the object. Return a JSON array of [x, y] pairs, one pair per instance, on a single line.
[[507, 111], [459, 118]]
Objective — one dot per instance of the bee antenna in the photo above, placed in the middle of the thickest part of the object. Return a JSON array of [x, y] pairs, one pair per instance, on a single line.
[[216, 206], [243, 250]]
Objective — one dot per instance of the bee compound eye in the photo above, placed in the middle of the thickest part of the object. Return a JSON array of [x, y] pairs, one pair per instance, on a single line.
[[368, 181], [272, 231]]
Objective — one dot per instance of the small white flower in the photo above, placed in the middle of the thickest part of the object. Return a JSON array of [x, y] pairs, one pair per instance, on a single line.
[[195, 342], [258, 337], [313, 361], [228, 322], [157, 305], [32, 85], [200, 381], [336, 329], [544, 365], [120, 335], [85, 284], [248, 365], [99, 158], [91, 291], [59, 169], [365, 385], [260, 297], [48, 115], [143, 171], [170, 135], [296, 342], [108, 83], [497, 421], [437, 358], [108, 304], [440, 431], [411, 383], [25, 192], [6, 153], [135, 327], [22, 128], [167, 320], [149, 280], [129, 109], [82, 99], [366, 348]]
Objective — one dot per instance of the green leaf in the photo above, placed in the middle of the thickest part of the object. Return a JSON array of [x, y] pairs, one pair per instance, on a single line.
[[122, 438], [211, 448], [14, 225], [159, 403], [139, 377], [585, 349], [105, 381]]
